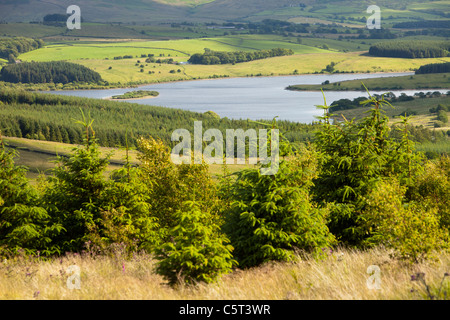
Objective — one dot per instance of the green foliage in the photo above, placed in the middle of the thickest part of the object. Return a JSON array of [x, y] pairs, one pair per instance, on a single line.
[[24, 222], [412, 229], [172, 185], [197, 251], [359, 183], [330, 67], [45, 72], [75, 193], [272, 216], [432, 189], [442, 116], [126, 213], [15, 46], [353, 157]]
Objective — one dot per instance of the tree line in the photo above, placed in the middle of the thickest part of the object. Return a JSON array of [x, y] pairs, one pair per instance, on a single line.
[[221, 57], [411, 49], [11, 48], [48, 72], [434, 68], [439, 24], [354, 186]]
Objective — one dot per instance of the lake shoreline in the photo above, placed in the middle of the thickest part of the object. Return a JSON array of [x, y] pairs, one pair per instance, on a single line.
[[253, 98], [137, 86], [270, 76]]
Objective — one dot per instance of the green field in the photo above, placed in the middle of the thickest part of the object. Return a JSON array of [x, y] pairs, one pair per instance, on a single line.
[[174, 48], [308, 58], [126, 71], [39, 156]]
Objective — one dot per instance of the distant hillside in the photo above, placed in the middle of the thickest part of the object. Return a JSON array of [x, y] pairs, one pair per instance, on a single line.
[[166, 11]]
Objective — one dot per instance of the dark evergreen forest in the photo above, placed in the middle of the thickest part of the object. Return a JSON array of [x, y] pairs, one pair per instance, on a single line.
[[48, 72]]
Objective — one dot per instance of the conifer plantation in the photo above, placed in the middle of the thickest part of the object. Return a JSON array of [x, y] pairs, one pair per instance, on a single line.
[[50, 117], [410, 49], [48, 72]]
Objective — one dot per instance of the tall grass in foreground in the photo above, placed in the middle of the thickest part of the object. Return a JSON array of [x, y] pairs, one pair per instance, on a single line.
[[341, 275]]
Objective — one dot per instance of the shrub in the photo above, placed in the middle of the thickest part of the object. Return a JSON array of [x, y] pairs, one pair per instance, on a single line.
[[442, 116], [432, 188], [174, 184], [126, 215], [411, 228], [24, 222], [272, 216], [197, 251], [353, 157], [74, 195]]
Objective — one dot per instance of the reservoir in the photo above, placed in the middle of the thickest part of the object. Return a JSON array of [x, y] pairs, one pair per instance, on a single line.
[[248, 98]]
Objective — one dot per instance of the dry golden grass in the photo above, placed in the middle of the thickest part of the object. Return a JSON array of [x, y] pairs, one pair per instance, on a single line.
[[342, 275]]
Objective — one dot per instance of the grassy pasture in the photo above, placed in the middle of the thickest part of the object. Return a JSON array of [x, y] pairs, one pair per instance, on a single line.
[[126, 71], [184, 47]]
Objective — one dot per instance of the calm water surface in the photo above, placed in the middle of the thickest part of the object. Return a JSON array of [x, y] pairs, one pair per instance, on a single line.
[[246, 98]]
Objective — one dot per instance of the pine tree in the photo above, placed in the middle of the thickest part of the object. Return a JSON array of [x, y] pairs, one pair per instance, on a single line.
[[273, 216], [354, 157], [75, 193], [197, 251], [24, 222]]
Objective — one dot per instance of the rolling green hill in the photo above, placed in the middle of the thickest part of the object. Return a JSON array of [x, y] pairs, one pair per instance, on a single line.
[[163, 11]]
